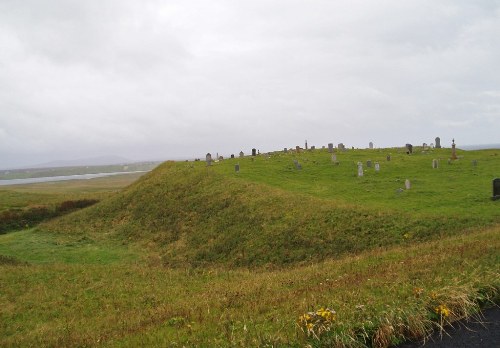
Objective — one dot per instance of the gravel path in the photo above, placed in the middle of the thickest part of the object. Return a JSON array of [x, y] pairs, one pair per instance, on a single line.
[[466, 334]]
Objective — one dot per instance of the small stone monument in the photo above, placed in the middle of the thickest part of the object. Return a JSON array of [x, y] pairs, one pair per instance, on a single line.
[[313, 148], [496, 189], [370, 145], [297, 148], [369, 163], [237, 168], [298, 166], [306, 145], [435, 164], [360, 169], [341, 147], [221, 158], [334, 158], [254, 152], [330, 147], [208, 159], [407, 184], [377, 167], [232, 155], [438, 143], [424, 146], [242, 154], [285, 150], [388, 158], [453, 150], [409, 149]]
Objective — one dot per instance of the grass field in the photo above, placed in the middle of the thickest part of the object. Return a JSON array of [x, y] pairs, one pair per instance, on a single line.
[[195, 256]]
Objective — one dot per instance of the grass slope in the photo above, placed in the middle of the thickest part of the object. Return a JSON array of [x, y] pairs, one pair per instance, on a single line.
[[271, 213]]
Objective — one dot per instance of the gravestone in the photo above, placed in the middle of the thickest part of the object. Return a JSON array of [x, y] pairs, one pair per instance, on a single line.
[[232, 156], [409, 149], [323, 147], [306, 145], [341, 147], [435, 164], [370, 145], [360, 169], [424, 146], [297, 148], [407, 184], [313, 148], [377, 167], [237, 168], [369, 163], [453, 150], [254, 152], [438, 143], [298, 166], [388, 158], [496, 189], [208, 159], [334, 158], [242, 154], [330, 147], [285, 150], [221, 158], [474, 163]]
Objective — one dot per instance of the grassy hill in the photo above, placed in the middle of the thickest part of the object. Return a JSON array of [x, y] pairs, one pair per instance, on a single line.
[[274, 250], [273, 214]]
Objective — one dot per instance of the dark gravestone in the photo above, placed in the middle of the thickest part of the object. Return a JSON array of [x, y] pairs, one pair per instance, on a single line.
[[409, 149], [254, 152], [388, 158], [232, 156], [330, 147], [237, 168], [496, 189], [438, 143], [369, 163]]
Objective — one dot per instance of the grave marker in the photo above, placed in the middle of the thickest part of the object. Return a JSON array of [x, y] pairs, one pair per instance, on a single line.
[[369, 163], [377, 167], [330, 147], [435, 164], [242, 154], [237, 168], [388, 158], [208, 159], [254, 152], [496, 189], [407, 184], [360, 169], [438, 143], [232, 155], [370, 145]]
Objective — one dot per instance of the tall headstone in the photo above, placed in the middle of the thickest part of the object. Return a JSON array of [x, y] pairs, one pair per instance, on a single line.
[[208, 159], [438, 143], [407, 184], [306, 145], [330, 147], [285, 150], [360, 169], [254, 152], [341, 147], [242, 154], [369, 163], [370, 145], [453, 150], [496, 189], [435, 164], [237, 168], [377, 167]]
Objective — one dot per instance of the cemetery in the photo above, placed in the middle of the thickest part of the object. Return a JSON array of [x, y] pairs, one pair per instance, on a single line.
[[296, 247]]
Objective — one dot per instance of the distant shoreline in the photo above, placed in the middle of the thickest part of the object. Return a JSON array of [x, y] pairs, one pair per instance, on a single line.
[[8, 182], [480, 147]]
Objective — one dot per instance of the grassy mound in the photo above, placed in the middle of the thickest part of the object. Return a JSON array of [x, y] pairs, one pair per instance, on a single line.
[[191, 215]]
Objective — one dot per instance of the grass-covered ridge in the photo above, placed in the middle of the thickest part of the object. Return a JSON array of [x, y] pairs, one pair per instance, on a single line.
[[271, 213]]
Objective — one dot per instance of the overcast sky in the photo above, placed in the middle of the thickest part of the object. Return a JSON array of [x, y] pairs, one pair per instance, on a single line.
[[177, 79]]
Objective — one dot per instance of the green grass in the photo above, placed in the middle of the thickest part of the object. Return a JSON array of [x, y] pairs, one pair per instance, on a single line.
[[204, 257]]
